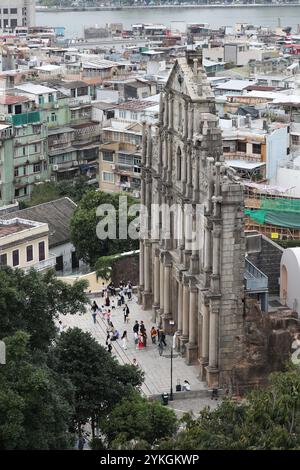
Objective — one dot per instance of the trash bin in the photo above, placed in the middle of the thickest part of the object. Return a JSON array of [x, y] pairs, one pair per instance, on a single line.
[[178, 386], [165, 398]]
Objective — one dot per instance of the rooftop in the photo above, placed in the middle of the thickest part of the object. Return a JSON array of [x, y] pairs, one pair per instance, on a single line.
[[136, 105], [235, 85], [34, 89], [12, 99], [12, 227], [57, 214]]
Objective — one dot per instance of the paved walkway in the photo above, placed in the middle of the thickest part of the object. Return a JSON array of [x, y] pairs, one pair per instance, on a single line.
[[155, 367]]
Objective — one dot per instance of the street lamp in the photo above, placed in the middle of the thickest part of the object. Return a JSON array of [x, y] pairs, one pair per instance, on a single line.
[[173, 345]]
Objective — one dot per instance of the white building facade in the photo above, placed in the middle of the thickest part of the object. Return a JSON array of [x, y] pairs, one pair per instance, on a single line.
[[15, 13]]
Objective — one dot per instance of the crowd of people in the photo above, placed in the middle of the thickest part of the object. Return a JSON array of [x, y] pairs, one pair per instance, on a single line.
[[123, 295]]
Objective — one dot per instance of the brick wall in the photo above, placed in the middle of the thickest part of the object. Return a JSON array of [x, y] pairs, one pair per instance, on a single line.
[[126, 268], [268, 261]]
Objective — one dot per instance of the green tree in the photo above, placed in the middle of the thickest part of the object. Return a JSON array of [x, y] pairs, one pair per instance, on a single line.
[[137, 420], [100, 382], [267, 419], [84, 224], [32, 301], [46, 192], [35, 403]]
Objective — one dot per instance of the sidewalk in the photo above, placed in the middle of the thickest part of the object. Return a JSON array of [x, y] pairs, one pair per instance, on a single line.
[[156, 368]]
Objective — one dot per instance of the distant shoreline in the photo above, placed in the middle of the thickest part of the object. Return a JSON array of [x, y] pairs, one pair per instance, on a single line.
[[156, 7]]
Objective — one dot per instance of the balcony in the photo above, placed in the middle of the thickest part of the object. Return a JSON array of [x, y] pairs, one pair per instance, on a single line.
[[25, 118], [78, 102], [48, 263], [255, 280]]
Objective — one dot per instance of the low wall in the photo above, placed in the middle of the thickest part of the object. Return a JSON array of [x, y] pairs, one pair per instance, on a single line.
[[94, 284]]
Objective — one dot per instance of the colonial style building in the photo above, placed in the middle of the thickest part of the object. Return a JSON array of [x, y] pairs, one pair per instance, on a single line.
[[196, 288]]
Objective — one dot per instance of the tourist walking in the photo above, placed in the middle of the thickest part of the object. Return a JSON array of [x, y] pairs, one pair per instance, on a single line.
[[126, 313], [136, 327], [162, 337], [124, 340], [94, 309], [153, 334], [136, 339], [129, 290], [140, 341], [142, 327], [144, 335]]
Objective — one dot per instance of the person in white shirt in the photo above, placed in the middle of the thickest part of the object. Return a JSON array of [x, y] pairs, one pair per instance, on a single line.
[[186, 386]]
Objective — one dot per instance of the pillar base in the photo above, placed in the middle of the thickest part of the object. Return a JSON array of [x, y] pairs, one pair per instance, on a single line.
[[203, 366], [191, 353], [168, 329], [156, 314], [183, 342], [177, 341], [140, 295], [212, 377], [147, 299]]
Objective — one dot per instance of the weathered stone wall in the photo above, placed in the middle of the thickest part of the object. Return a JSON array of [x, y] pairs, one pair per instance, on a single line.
[[126, 268], [268, 261]]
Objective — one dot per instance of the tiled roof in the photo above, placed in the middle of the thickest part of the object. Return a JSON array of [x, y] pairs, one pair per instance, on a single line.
[[13, 99], [57, 214]]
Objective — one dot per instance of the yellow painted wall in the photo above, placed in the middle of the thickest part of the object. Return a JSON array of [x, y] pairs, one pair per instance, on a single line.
[[94, 283]]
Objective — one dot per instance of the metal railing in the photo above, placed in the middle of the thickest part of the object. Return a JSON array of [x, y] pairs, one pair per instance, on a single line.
[[255, 280]]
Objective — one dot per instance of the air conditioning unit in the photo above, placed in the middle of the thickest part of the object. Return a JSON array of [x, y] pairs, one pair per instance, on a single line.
[[42, 157], [75, 163], [56, 106], [37, 178], [54, 167], [113, 167]]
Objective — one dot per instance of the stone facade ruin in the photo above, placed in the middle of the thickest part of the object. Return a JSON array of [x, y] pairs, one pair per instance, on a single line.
[[195, 289]]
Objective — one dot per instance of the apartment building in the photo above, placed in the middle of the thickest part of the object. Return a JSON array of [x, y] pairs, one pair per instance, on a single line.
[[15, 13], [253, 147], [120, 158], [23, 143]]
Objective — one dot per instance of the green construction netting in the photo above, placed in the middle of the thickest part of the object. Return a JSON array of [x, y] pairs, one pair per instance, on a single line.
[[281, 204], [277, 218], [277, 211]]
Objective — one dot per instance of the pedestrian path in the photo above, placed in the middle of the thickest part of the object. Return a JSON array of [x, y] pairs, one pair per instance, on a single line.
[[157, 369]]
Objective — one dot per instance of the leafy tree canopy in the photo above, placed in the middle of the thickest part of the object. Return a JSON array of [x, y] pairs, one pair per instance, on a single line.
[[139, 421], [35, 403], [32, 301], [89, 246], [268, 419], [100, 382], [46, 192]]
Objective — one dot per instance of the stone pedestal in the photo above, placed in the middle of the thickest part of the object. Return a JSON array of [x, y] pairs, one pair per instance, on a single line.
[[147, 300], [183, 342], [168, 329], [212, 377], [191, 353], [203, 363], [140, 295]]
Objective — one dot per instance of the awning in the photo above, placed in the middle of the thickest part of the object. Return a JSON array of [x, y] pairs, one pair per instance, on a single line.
[[244, 165]]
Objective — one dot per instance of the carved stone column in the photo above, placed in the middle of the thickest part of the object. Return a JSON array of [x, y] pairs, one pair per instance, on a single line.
[[161, 293], [147, 294], [212, 369], [185, 316], [192, 346], [205, 341], [141, 272], [156, 282]]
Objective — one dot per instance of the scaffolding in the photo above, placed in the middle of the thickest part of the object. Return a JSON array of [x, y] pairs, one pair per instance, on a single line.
[[271, 211]]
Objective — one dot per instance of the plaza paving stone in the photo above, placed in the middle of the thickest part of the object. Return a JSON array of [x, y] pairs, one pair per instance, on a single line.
[[155, 367]]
